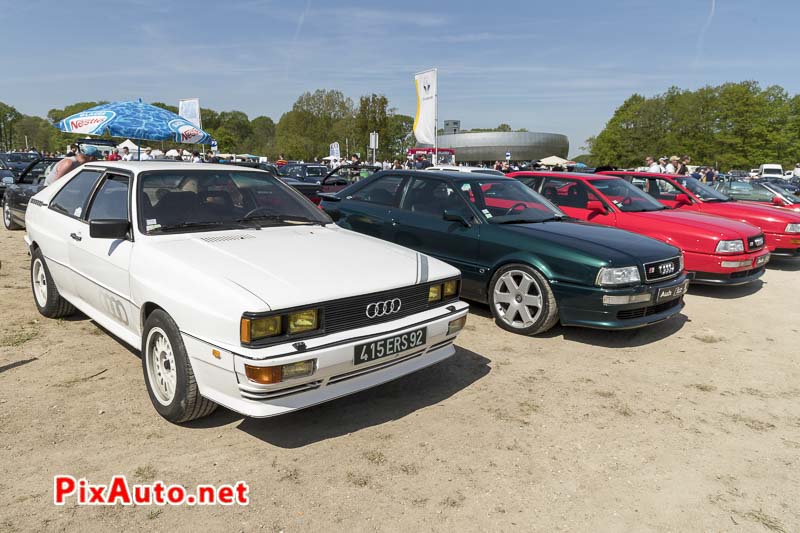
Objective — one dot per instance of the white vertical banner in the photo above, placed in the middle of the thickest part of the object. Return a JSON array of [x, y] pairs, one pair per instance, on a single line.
[[189, 109], [334, 151], [425, 121]]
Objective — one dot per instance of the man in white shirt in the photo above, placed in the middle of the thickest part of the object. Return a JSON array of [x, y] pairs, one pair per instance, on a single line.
[[796, 170], [671, 168], [126, 154], [651, 164], [146, 155]]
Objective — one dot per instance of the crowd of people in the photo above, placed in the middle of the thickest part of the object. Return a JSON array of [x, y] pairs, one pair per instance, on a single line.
[[680, 166]]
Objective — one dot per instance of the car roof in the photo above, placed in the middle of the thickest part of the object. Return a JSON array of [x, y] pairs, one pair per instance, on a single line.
[[558, 174], [452, 175], [147, 166]]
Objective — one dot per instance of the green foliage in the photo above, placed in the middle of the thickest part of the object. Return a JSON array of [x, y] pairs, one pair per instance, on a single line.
[[501, 127], [734, 125]]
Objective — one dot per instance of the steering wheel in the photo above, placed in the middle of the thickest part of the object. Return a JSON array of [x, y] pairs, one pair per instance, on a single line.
[[511, 209]]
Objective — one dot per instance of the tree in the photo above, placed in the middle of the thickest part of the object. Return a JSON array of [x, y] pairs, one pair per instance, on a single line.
[[372, 115], [8, 117]]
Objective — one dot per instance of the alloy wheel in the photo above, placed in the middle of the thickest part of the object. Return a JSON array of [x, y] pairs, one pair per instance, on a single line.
[[517, 299]]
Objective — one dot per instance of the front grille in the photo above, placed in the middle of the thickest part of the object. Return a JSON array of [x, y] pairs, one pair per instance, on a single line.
[[628, 314], [756, 242], [660, 270], [351, 313]]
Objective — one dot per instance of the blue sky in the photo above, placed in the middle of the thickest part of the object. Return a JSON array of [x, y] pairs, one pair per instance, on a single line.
[[560, 66]]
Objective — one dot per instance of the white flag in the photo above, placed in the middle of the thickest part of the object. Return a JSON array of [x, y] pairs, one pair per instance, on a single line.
[[425, 121], [190, 110]]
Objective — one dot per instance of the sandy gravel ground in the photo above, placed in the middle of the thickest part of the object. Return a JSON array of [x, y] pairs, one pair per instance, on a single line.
[[691, 425]]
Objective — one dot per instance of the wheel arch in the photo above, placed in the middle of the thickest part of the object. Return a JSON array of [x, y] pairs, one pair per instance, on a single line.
[[527, 260]]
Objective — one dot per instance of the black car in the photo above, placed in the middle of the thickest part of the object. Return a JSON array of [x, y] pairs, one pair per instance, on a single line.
[[307, 172], [6, 177], [17, 194], [18, 161], [309, 190]]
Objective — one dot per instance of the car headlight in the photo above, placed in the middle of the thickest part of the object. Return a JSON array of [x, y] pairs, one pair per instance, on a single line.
[[254, 329], [302, 321], [730, 247], [792, 228], [608, 277], [434, 293]]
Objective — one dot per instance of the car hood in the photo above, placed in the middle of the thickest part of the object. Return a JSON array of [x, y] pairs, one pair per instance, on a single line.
[[612, 245], [691, 231], [767, 218], [297, 265]]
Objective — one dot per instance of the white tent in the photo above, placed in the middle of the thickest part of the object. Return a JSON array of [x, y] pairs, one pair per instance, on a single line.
[[129, 144], [553, 161]]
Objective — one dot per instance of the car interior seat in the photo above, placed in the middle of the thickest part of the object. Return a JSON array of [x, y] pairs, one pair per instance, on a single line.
[[176, 207]]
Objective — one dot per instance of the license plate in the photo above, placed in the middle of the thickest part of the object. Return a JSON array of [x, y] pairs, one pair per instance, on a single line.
[[374, 350], [762, 260], [668, 293]]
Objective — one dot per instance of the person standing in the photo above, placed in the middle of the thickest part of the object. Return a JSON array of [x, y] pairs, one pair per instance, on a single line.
[[651, 165], [671, 167], [196, 157], [67, 165], [147, 155], [114, 155], [683, 167]]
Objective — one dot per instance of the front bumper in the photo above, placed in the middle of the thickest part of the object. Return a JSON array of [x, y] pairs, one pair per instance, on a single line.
[[581, 305], [717, 269], [223, 379], [783, 244]]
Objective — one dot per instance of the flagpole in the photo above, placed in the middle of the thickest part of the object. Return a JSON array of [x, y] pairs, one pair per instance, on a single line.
[[436, 120]]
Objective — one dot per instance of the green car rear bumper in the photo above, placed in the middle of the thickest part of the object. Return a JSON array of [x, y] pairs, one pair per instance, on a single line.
[[580, 305]]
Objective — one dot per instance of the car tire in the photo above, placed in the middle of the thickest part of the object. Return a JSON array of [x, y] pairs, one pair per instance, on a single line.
[[516, 284], [8, 221], [168, 373], [48, 300]]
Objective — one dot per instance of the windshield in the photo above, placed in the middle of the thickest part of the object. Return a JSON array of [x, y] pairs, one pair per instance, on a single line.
[[317, 171], [742, 190], [625, 196], [509, 201], [201, 200], [22, 157], [772, 172], [702, 191], [787, 195]]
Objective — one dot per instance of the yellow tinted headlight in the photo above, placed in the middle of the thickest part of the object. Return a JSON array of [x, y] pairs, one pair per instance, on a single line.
[[435, 293], [261, 328], [301, 321], [450, 288]]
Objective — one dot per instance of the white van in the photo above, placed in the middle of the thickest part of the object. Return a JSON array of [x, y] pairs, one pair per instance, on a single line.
[[770, 170]]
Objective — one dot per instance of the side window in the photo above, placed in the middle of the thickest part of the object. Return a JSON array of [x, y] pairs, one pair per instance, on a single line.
[[72, 198], [383, 191], [432, 197], [662, 189], [567, 193], [111, 200], [295, 172]]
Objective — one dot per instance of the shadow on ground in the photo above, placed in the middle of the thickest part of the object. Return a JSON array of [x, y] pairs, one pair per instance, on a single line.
[[784, 264], [626, 338], [723, 292], [372, 407]]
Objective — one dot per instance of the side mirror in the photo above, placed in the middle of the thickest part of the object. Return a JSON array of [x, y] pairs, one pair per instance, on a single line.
[[683, 199], [8, 180], [109, 229], [596, 206], [775, 201], [454, 216]]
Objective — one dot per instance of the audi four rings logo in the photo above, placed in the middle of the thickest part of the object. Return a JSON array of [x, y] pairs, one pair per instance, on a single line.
[[385, 308], [666, 268]]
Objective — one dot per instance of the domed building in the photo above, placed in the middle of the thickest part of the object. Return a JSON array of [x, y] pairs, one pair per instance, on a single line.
[[490, 146]]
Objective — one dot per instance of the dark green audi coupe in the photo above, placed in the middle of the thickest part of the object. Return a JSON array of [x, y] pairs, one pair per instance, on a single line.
[[517, 252]]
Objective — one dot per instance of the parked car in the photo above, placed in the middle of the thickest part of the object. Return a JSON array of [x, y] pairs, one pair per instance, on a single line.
[[6, 177], [517, 251], [18, 161], [716, 250], [781, 227], [305, 172], [309, 190], [770, 170], [18, 193], [213, 272], [760, 192]]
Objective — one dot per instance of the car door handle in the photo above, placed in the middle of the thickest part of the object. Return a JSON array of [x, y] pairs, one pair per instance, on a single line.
[[76, 236]]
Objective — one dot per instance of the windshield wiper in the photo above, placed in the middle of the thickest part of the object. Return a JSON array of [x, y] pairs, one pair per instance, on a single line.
[[282, 218], [205, 224]]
